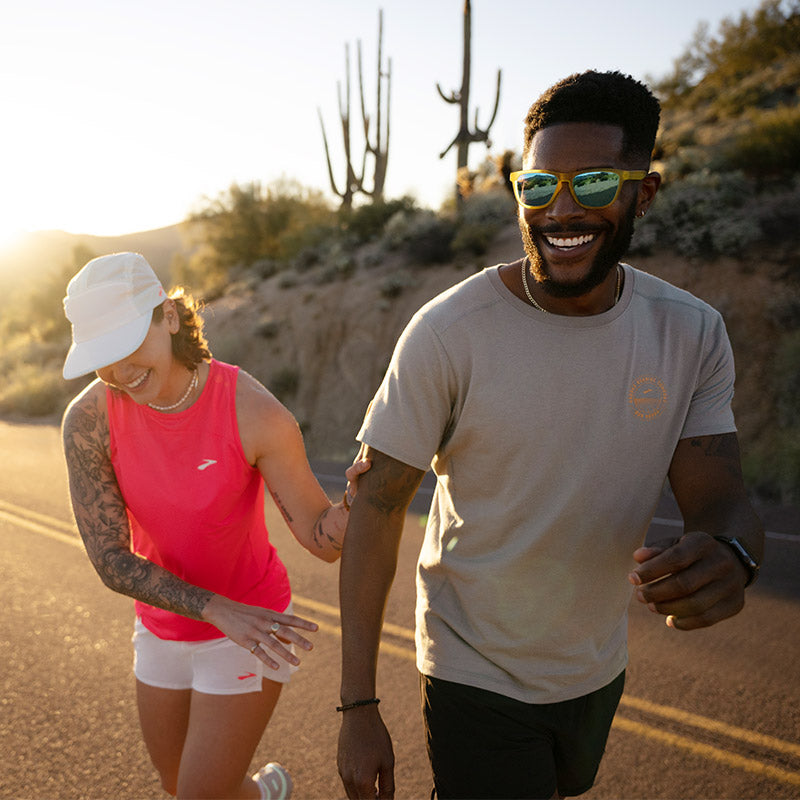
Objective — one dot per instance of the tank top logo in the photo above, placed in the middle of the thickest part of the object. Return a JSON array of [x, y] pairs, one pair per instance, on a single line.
[[647, 397]]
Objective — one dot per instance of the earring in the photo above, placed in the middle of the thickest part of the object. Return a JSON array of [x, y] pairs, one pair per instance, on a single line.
[[641, 213]]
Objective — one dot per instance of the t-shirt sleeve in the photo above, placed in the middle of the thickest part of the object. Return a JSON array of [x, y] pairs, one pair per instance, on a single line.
[[710, 409], [412, 410]]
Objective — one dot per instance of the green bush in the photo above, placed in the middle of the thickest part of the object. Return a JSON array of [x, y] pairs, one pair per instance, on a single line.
[[787, 380], [774, 467], [483, 215], [367, 222], [424, 236], [770, 145], [33, 391], [705, 214], [396, 283], [249, 225]]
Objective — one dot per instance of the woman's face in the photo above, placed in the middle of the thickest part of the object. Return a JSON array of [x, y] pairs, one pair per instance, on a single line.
[[150, 374]]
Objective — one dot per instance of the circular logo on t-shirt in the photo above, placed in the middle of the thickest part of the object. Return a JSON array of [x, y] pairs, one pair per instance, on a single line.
[[647, 397]]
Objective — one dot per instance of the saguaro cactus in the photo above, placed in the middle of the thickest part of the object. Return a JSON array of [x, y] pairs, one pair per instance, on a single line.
[[465, 136], [377, 147]]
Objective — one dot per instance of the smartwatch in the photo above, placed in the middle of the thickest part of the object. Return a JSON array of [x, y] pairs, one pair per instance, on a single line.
[[744, 556]]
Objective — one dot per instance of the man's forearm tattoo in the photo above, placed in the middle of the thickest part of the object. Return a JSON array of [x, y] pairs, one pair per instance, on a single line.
[[391, 486], [724, 446]]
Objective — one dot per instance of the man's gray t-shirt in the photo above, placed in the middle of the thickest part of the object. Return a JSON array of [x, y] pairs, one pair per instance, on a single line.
[[551, 437]]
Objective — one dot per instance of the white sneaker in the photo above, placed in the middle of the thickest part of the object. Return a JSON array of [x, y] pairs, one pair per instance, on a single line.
[[274, 781]]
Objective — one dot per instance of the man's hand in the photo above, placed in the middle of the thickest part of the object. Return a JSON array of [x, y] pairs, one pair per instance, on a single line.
[[694, 580], [365, 755]]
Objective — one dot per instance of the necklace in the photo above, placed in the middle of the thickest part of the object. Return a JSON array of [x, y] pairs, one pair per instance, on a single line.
[[544, 310], [189, 389]]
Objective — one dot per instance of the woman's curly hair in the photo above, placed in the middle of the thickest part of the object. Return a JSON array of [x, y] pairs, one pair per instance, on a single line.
[[189, 345]]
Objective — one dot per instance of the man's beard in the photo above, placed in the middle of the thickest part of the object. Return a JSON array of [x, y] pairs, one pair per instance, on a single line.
[[606, 259]]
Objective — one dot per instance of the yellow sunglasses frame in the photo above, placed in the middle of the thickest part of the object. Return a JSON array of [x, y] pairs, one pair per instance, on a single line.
[[566, 177]]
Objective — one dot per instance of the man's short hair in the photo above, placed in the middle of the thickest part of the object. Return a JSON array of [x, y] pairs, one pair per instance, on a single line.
[[607, 98]]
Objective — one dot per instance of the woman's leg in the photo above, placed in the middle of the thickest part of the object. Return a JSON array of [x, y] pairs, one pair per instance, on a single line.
[[164, 717], [222, 735]]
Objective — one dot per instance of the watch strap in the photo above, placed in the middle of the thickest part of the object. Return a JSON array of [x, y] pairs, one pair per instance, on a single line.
[[744, 556]]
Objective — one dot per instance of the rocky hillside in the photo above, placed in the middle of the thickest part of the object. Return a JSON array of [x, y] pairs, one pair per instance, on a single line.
[[324, 346]]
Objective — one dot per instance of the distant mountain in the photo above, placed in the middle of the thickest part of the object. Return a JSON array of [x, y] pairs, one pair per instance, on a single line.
[[43, 252]]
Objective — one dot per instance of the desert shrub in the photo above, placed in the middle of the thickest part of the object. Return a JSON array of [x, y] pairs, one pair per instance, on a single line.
[[786, 380], [267, 327], [784, 310], [248, 224], [284, 383], [705, 214], [771, 144], [34, 391], [396, 283], [778, 212], [423, 235], [483, 215], [774, 466], [337, 262], [367, 222]]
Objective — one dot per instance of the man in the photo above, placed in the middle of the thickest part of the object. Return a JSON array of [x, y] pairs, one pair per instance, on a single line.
[[552, 397]]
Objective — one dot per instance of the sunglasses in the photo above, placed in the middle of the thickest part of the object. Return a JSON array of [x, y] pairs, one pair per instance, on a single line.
[[593, 188]]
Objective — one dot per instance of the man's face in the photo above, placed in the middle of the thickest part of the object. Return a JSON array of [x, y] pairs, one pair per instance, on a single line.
[[572, 249]]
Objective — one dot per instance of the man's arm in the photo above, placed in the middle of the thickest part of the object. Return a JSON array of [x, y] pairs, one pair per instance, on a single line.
[[697, 580], [369, 560]]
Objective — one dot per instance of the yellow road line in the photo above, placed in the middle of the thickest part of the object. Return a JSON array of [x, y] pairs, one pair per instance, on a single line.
[[45, 519], [712, 725], [45, 530], [707, 751], [51, 527], [386, 647], [333, 611]]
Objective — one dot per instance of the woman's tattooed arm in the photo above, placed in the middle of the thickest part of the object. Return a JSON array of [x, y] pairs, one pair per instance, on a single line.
[[102, 520]]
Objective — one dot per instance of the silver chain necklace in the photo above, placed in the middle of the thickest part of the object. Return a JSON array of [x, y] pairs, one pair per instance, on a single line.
[[189, 389], [544, 310]]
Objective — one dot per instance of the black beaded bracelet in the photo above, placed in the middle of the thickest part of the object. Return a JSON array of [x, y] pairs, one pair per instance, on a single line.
[[357, 703]]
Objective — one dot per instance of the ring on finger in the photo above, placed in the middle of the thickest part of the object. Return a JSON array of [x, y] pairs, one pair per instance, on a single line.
[[255, 647], [275, 627]]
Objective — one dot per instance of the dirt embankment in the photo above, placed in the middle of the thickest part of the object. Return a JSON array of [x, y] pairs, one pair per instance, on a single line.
[[322, 344]]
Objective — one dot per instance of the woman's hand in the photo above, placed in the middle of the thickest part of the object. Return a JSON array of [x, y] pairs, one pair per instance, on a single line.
[[361, 465], [259, 630]]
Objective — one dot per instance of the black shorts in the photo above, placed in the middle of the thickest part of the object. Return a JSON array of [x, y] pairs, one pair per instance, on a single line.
[[485, 745]]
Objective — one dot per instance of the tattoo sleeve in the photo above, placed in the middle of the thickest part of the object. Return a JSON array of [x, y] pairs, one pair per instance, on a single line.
[[102, 520]]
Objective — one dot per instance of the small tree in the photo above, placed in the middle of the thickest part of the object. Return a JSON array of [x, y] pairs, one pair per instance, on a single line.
[[465, 136], [377, 147]]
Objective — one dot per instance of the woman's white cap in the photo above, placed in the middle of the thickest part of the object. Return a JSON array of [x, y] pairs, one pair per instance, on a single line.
[[110, 304]]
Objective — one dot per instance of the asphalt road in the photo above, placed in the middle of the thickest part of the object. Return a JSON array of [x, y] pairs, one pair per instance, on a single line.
[[706, 714]]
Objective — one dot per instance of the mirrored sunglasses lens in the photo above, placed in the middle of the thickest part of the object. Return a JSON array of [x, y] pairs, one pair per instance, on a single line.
[[595, 189], [536, 190]]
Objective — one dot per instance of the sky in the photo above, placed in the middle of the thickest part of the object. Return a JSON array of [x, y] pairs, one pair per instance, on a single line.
[[122, 116]]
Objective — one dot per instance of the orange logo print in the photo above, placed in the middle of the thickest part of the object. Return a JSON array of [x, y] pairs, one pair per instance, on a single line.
[[647, 396]]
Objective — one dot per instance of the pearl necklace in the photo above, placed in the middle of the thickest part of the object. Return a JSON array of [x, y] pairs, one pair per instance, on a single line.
[[189, 389], [544, 310]]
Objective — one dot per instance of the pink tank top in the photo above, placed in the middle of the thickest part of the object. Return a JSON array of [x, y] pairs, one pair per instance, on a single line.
[[196, 507]]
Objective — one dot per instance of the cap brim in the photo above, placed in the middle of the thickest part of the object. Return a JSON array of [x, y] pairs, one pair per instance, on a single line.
[[102, 351]]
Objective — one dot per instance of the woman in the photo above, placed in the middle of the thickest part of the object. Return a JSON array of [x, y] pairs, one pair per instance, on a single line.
[[168, 452]]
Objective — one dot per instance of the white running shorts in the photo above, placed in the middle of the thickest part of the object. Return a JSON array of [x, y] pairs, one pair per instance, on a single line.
[[215, 666]]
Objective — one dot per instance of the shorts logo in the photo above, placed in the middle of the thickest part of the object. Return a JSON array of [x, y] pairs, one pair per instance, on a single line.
[[647, 397], [246, 676]]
